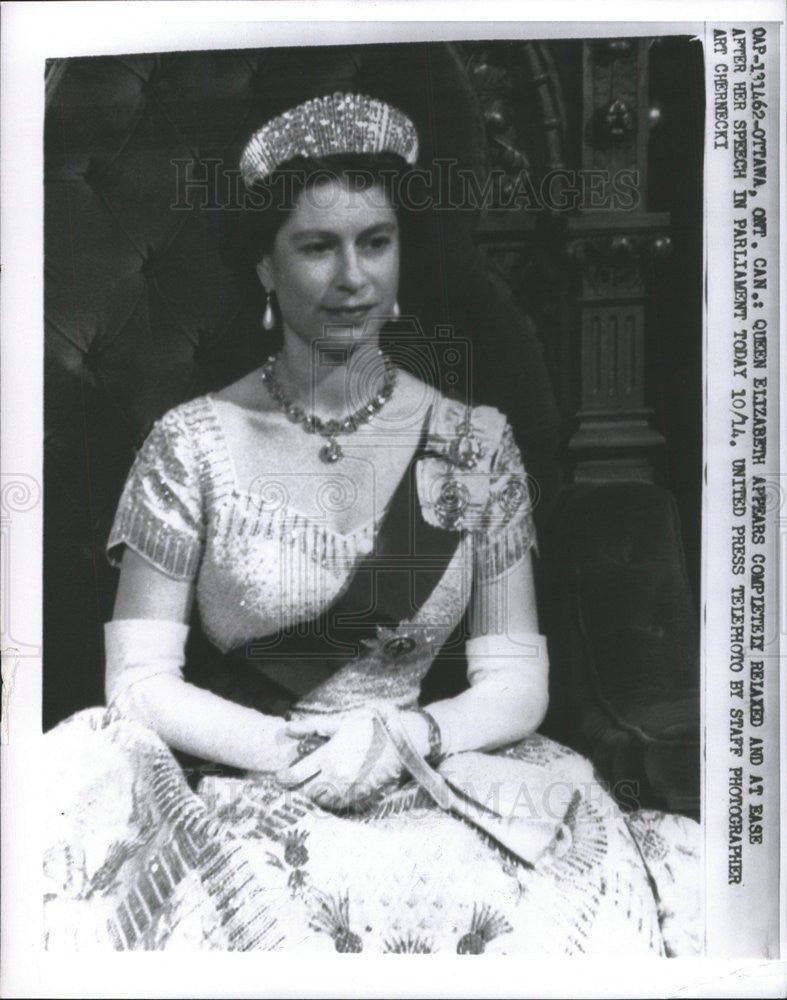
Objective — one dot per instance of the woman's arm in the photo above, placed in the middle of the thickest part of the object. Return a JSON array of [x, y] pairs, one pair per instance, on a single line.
[[145, 644], [507, 667]]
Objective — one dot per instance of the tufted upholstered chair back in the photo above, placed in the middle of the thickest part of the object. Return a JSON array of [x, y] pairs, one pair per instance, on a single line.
[[143, 312]]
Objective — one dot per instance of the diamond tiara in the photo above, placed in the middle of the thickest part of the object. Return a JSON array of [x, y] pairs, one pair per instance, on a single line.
[[336, 123]]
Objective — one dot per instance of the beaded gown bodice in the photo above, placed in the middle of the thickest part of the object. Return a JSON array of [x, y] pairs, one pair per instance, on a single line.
[[259, 565]]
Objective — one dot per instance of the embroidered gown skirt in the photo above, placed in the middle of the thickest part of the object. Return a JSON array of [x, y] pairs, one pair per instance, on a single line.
[[137, 860]]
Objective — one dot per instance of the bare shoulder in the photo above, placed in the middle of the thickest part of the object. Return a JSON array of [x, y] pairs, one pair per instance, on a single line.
[[246, 393], [413, 395]]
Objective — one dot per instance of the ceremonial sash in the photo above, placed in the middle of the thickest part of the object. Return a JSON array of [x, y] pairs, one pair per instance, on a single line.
[[387, 587]]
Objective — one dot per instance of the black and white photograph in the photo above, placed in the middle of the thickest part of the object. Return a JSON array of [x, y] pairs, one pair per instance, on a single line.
[[373, 509]]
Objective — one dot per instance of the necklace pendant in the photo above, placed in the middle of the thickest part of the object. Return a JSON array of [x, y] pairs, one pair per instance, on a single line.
[[312, 424], [331, 452]]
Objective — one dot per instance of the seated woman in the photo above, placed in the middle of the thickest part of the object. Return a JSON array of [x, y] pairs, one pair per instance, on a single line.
[[336, 518]]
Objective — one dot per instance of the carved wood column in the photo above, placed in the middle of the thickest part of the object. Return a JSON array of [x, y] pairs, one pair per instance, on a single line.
[[614, 253], [579, 114], [615, 437]]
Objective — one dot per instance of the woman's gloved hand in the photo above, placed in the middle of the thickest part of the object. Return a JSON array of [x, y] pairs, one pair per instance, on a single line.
[[278, 749], [356, 759]]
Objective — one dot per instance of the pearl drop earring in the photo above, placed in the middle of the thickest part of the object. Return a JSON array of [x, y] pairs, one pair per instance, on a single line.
[[268, 319]]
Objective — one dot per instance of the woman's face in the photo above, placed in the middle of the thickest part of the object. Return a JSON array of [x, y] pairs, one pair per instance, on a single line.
[[335, 262]]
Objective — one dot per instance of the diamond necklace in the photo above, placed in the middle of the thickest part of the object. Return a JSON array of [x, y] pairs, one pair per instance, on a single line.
[[312, 424]]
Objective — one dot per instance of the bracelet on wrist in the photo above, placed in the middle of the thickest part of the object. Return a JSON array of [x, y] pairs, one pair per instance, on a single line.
[[435, 753]]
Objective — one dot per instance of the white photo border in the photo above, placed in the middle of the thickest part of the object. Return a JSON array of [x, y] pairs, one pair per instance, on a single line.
[[31, 34]]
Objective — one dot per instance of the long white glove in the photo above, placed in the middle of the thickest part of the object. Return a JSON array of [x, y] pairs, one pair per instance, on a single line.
[[507, 698], [144, 679]]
